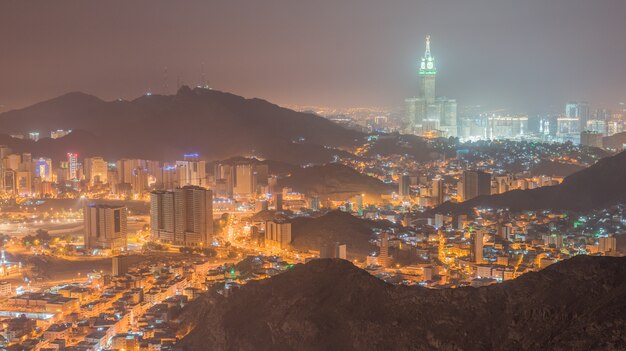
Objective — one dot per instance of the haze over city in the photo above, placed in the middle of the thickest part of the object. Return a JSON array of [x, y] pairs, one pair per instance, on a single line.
[[529, 56], [313, 175]]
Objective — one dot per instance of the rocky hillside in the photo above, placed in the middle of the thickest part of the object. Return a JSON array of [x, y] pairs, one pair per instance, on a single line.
[[578, 304], [598, 186], [333, 180], [336, 226]]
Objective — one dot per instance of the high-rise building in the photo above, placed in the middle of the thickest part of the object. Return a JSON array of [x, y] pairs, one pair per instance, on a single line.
[[475, 183], [504, 183], [334, 250], [4, 151], [404, 183], [96, 170], [437, 190], [105, 227], [155, 174], [43, 169], [278, 201], [183, 216], [139, 180], [476, 250], [578, 110], [244, 180], [277, 234], [568, 129], [72, 161], [125, 168], [169, 178], [314, 203], [427, 114], [224, 180], [597, 125], [191, 171], [428, 73], [8, 181], [553, 239], [383, 256], [24, 184], [119, 265], [607, 245], [592, 139], [12, 161]]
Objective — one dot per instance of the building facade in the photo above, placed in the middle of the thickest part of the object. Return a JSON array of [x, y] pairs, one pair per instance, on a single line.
[[183, 216], [428, 114], [105, 227]]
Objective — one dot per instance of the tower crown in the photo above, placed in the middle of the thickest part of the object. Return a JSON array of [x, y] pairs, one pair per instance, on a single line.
[[427, 64]]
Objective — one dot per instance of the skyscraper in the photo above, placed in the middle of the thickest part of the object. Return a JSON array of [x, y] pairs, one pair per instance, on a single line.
[[183, 216], [72, 161], [105, 227], [96, 169], [476, 247], [8, 181], [277, 234], [475, 183], [426, 113], [43, 169], [383, 256], [244, 180], [404, 185], [427, 73], [333, 250], [607, 245], [125, 168], [437, 192], [578, 110], [119, 265], [191, 171]]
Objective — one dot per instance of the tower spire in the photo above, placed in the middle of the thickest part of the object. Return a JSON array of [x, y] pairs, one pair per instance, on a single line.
[[427, 65]]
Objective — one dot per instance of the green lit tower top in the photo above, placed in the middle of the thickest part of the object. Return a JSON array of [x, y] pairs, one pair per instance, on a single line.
[[427, 66], [427, 73]]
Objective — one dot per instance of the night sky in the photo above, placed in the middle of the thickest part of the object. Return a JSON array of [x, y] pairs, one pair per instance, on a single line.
[[527, 55]]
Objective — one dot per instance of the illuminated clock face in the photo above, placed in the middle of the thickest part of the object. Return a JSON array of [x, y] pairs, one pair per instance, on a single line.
[[429, 65], [423, 65]]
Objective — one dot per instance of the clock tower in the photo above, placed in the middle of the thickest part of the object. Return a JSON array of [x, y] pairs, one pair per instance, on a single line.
[[427, 74]]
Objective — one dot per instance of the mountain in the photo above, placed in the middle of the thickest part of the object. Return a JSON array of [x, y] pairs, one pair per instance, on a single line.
[[333, 180], [598, 186], [577, 304], [336, 226], [215, 124]]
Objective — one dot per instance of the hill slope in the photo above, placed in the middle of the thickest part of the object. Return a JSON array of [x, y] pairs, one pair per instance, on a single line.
[[579, 304], [333, 179], [335, 226], [597, 186], [216, 124]]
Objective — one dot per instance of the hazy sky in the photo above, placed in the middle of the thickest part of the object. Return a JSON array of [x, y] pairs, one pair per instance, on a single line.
[[521, 54]]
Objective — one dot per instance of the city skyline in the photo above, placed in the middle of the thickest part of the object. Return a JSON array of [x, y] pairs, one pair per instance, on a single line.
[[289, 175], [534, 62]]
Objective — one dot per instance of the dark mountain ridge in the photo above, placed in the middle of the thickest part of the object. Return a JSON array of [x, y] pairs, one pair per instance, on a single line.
[[600, 185], [577, 304], [218, 125]]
